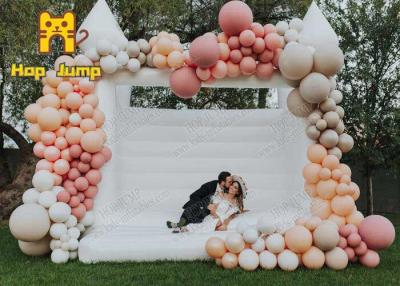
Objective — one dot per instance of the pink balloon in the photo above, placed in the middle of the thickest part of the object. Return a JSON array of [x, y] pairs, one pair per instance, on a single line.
[[91, 192], [79, 211], [68, 183], [248, 66], [75, 151], [258, 30], [224, 51], [61, 143], [88, 204], [236, 56], [74, 201], [86, 157], [52, 153], [83, 167], [377, 232], [371, 259], [273, 41], [342, 242], [93, 176], [73, 174], [81, 184], [235, 17], [350, 252], [63, 196], [98, 161], [234, 43], [259, 46], [48, 138], [220, 70], [75, 163], [38, 150], [66, 155], [275, 60], [203, 74], [361, 249], [247, 38], [246, 51], [264, 71], [354, 240], [269, 28], [107, 153], [44, 164], [72, 190], [61, 167], [188, 60], [233, 69], [266, 56], [57, 179], [184, 82], [204, 51]]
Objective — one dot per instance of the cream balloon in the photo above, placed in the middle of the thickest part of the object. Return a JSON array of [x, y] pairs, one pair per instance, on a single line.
[[326, 237], [248, 260], [296, 61], [35, 248], [328, 60], [268, 260], [336, 259], [297, 105], [315, 88]]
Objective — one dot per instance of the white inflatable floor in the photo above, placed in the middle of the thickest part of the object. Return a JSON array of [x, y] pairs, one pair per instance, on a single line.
[[161, 156]]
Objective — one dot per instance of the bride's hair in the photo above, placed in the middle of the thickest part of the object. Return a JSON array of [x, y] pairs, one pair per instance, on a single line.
[[239, 196]]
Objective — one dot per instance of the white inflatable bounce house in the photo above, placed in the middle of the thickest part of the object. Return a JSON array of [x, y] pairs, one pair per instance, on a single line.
[[159, 156]]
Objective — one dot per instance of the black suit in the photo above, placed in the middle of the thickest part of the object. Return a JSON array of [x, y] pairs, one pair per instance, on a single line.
[[195, 210]]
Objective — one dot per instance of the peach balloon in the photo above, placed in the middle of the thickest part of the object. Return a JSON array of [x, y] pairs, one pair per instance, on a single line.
[[258, 30], [345, 169], [298, 239], [175, 59], [326, 189], [370, 259], [57, 179], [48, 138], [355, 218], [259, 46], [342, 205], [85, 157], [50, 100], [91, 142], [266, 56], [313, 258], [86, 111], [264, 71], [66, 155], [93, 176], [51, 154], [234, 42], [377, 232], [98, 160], [313, 223], [342, 189], [184, 82], [273, 41], [224, 51], [331, 162], [74, 100], [316, 153], [83, 167], [355, 190], [235, 17], [203, 74], [220, 70], [65, 114], [73, 173], [49, 119], [339, 220], [215, 247], [81, 197], [61, 143], [321, 208], [248, 66], [31, 112], [91, 99], [61, 167], [81, 184], [99, 117], [230, 261], [38, 149], [34, 132], [310, 189], [79, 211], [337, 174], [91, 192], [44, 165], [311, 173], [88, 125], [73, 135], [52, 79], [64, 88], [247, 38], [160, 61], [75, 151], [269, 28], [164, 46], [48, 89], [325, 174], [233, 69], [204, 51], [222, 38], [86, 86]]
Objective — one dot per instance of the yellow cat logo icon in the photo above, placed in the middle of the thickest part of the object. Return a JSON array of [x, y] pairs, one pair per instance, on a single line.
[[51, 26]]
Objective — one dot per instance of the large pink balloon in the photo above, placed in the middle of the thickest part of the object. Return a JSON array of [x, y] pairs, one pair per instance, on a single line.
[[235, 17], [204, 51], [377, 232], [184, 82]]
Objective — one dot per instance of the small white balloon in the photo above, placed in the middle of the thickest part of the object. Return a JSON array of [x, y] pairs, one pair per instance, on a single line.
[[73, 232], [73, 244], [55, 243], [108, 64], [296, 24], [59, 212], [72, 221], [30, 196], [144, 46], [122, 58], [266, 225], [248, 260], [92, 54], [288, 260], [65, 237], [133, 49], [259, 245], [103, 47], [57, 189], [282, 27], [57, 230], [47, 199], [88, 219], [291, 35], [332, 81], [134, 65], [275, 243], [73, 255], [81, 227], [43, 181], [114, 50], [59, 256], [268, 260], [250, 235], [65, 246], [242, 226]]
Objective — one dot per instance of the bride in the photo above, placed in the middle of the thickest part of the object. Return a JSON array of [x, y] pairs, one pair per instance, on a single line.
[[223, 208]]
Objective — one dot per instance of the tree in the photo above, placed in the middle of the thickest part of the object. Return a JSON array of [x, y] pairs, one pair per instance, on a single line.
[[370, 81]]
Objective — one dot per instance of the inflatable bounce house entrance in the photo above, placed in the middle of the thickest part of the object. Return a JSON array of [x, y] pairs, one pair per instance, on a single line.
[[301, 199]]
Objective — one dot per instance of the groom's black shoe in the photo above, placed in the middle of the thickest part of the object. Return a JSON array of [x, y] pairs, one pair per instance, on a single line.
[[171, 224]]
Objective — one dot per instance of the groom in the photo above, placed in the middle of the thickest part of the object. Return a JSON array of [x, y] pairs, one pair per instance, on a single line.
[[196, 209]]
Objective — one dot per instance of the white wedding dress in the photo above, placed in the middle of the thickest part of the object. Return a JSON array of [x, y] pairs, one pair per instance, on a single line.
[[224, 210]]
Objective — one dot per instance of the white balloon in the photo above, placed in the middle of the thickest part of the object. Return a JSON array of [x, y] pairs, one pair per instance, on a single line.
[[250, 235], [144, 46], [266, 225], [30, 196], [296, 24], [114, 50], [332, 81], [65, 237], [59, 212], [73, 255], [92, 54], [43, 181], [103, 47], [288, 260], [122, 58], [88, 219], [73, 232], [291, 35], [108, 64], [275, 243], [59, 256], [47, 199], [242, 226], [65, 246], [55, 243], [268, 260], [57, 230], [133, 49], [133, 65], [282, 27], [248, 260], [73, 244], [75, 119], [336, 95], [57, 189], [259, 245], [81, 227], [72, 221]]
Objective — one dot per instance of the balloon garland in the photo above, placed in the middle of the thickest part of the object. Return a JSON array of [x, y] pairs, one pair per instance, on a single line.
[[66, 125]]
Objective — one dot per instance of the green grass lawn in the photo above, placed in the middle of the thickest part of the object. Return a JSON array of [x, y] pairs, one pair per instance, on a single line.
[[18, 269]]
